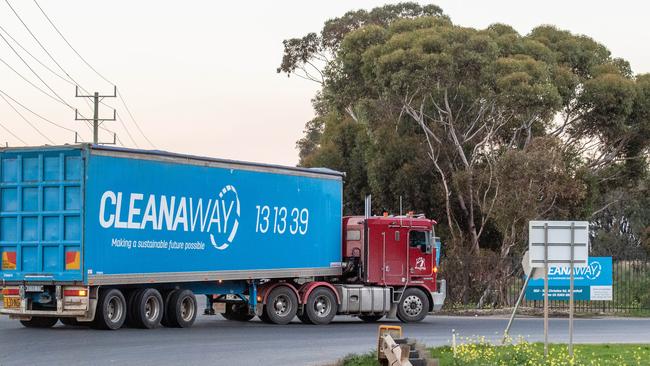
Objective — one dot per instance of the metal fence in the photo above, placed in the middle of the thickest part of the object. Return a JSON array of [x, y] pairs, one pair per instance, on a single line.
[[631, 291]]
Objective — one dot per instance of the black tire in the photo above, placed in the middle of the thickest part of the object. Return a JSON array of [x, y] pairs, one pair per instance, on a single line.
[[39, 322], [111, 310], [227, 315], [414, 306], [370, 318], [281, 305], [304, 318], [182, 309], [238, 312], [321, 306], [148, 308], [131, 319], [166, 320], [70, 322]]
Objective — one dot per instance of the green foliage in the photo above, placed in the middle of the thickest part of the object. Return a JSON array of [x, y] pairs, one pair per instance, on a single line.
[[481, 129]]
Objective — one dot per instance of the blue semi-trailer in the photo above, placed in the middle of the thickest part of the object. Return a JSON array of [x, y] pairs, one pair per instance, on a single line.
[[106, 236]]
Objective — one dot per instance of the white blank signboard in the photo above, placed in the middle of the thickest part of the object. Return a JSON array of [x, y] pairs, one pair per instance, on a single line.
[[559, 240]]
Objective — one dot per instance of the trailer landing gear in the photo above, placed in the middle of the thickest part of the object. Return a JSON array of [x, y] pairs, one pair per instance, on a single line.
[[237, 312]]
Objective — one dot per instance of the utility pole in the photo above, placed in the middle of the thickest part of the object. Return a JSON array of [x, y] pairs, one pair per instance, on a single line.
[[96, 120]]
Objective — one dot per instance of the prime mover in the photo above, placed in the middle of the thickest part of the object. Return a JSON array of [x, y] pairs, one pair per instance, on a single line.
[[108, 236]]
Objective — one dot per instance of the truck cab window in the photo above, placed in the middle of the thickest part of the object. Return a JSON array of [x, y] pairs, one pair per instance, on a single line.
[[421, 240], [353, 235]]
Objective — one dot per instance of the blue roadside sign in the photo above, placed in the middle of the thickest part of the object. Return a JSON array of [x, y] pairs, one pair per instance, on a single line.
[[592, 282]]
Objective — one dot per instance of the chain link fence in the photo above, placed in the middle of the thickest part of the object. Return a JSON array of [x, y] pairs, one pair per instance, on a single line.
[[489, 282]]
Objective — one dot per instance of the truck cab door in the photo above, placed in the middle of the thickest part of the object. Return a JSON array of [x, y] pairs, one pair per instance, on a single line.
[[421, 254], [395, 257]]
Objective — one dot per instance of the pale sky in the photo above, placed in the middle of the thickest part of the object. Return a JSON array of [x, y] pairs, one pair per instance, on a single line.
[[199, 76]]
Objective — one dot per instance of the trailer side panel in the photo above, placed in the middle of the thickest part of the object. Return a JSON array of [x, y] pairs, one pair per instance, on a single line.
[[169, 219]]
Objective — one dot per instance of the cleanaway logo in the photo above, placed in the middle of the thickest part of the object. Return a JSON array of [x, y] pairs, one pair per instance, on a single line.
[[591, 272], [218, 217]]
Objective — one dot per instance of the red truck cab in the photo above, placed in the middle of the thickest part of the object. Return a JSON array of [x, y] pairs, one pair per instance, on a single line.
[[396, 253]]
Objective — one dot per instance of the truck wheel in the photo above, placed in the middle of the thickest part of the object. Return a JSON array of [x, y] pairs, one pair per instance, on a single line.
[[414, 306], [111, 310], [39, 322], [238, 312], [281, 305], [131, 320], [182, 309], [148, 308], [166, 320], [370, 318], [321, 306]]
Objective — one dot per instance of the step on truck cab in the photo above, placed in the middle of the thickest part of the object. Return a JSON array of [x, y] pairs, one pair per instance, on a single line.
[[107, 237]]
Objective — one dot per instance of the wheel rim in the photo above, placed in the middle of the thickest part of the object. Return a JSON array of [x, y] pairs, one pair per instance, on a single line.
[[151, 308], [412, 305], [115, 309], [322, 306], [282, 305], [187, 309]]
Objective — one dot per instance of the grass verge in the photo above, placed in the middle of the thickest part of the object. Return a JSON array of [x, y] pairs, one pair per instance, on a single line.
[[524, 354]]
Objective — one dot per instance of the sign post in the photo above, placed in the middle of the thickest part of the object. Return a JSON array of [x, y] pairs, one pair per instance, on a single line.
[[545, 290], [571, 295], [559, 245]]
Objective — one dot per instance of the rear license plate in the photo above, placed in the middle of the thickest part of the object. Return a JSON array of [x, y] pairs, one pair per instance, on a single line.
[[33, 288], [11, 302]]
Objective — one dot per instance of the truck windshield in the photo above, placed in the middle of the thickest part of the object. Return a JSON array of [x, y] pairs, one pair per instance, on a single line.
[[421, 240]]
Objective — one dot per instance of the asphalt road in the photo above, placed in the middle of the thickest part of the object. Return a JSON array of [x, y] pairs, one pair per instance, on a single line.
[[215, 341]]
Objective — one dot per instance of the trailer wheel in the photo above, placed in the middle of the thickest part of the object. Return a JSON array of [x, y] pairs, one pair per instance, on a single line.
[[166, 320], [182, 309], [111, 310], [281, 305], [321, 306], [414, 306], [39, 322], [371, 318], [131, 320], [148, 308]]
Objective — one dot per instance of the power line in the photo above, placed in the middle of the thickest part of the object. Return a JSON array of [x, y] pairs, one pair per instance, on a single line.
[[34, 113], [39, 43], [45, 66], [114, 134], [46, 51], [70, 45], [119, 118], [31, 83], [34, 72], [39, 89], [34, 57], [26, 120], [12, 134], [42, 64], [98, 73], [133, 119]]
